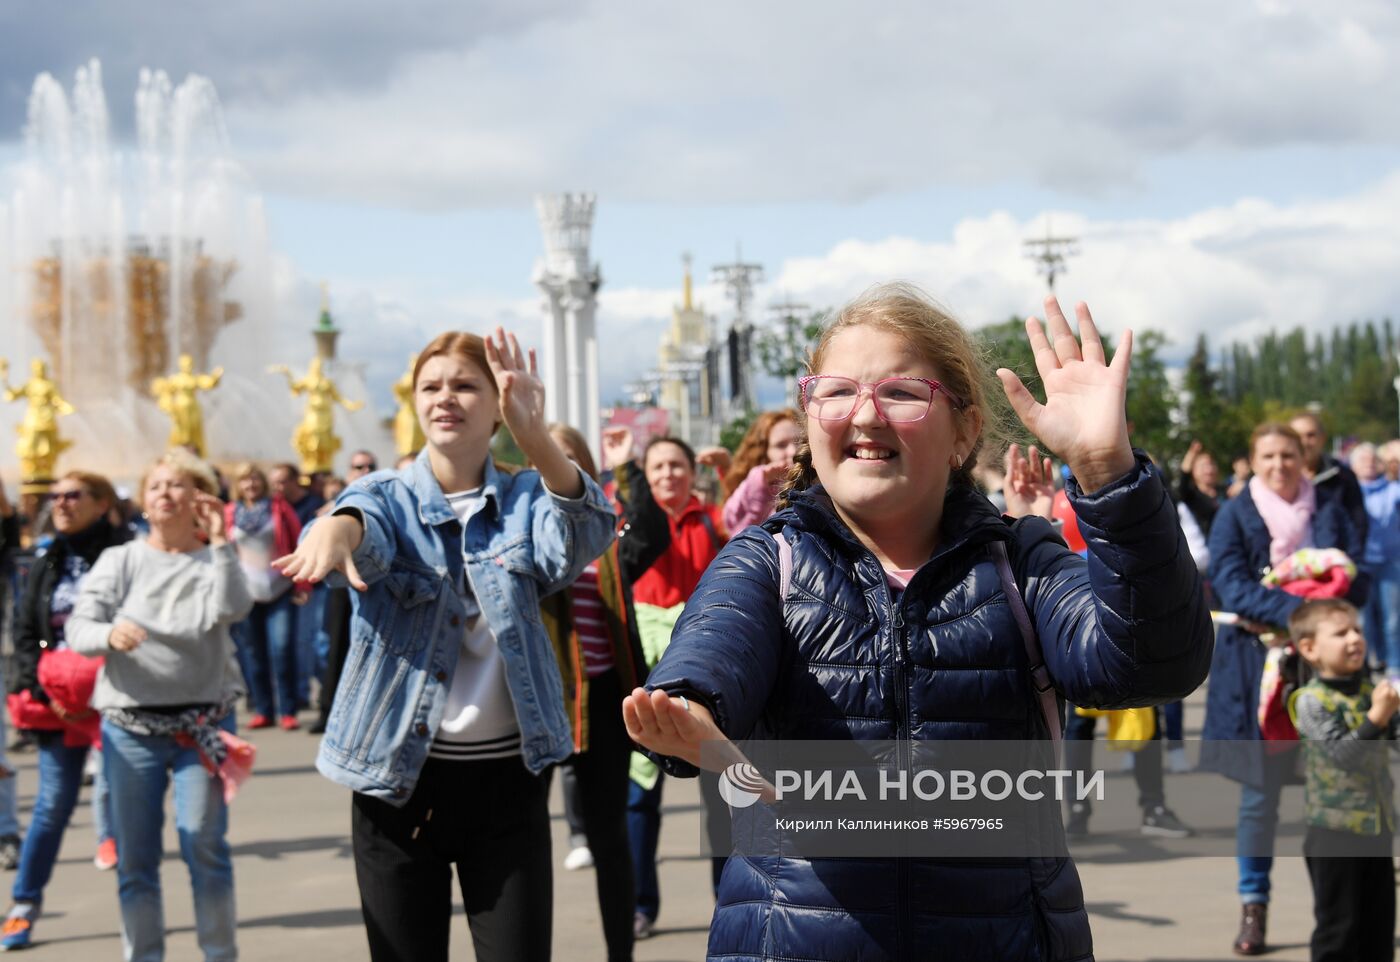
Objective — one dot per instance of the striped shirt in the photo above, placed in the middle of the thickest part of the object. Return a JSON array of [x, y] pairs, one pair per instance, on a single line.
[[478, 721], [593, 637]]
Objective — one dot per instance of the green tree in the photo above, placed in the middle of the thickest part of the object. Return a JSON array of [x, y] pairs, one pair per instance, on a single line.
[[1151, 400], [732, 433], [784, 347]]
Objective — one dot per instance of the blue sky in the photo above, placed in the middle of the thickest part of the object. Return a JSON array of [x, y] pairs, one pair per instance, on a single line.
[[1229, 167]]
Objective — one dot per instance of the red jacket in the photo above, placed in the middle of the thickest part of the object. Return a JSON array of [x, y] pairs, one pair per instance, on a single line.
[[674, 575]]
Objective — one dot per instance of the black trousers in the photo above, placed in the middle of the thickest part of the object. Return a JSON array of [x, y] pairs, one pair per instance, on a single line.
[[337, 628], [1147, 761], [489, 819], [1353, 897], [600, 777]]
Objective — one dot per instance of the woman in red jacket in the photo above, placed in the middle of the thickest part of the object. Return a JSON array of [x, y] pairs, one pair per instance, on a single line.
[[669, 539]]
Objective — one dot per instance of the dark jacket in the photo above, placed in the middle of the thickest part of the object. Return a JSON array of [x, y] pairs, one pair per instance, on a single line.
[[1335, 482], [1239, 556], [840, 659], [33, 632]]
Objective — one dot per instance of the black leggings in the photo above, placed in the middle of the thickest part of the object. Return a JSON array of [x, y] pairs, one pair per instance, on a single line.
[[491, 820], [600, 774]]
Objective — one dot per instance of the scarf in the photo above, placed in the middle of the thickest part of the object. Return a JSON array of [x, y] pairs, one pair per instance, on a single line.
[[251, 520], [227, 757], [1289, 522]]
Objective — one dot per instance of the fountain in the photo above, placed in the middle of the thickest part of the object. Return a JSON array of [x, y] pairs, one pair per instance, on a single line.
[[115, 263]]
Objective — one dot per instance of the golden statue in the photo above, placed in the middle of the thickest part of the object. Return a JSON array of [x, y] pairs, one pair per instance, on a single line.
[[408, 433], [39, 444], [178, 396], [315, 439]]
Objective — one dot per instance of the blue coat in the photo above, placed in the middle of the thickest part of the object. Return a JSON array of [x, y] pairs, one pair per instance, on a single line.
[[843, 659], [1239, 556]]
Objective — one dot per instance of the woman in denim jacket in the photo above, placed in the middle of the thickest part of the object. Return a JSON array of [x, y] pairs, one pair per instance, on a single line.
[[450, 703]]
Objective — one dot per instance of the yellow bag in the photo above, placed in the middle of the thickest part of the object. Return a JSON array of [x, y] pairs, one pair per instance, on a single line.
[[1129, 730]]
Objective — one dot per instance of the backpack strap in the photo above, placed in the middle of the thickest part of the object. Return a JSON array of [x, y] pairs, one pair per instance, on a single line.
[[1040, 675], [709, 524], [784, 564]]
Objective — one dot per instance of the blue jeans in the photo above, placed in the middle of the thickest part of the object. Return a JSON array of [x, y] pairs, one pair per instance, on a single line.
[[139, 767], [101, 801], [9, 817], [311, 655], [643, 832], [270, 656], [1382, 613], [1256, 828], [60, 777]]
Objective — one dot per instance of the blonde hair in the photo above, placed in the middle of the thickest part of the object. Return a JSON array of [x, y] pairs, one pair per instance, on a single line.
[[197, 470], [961, 362]]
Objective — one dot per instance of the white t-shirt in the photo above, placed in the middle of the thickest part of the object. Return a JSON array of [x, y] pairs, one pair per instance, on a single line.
[[479, 721]]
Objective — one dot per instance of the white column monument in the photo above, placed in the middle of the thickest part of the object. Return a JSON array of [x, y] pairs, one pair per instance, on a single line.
[[569, 350]]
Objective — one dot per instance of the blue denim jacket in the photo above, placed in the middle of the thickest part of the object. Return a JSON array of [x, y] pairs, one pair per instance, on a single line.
[[407, 628]]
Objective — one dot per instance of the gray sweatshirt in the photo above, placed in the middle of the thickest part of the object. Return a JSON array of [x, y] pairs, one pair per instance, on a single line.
[[186, 603]]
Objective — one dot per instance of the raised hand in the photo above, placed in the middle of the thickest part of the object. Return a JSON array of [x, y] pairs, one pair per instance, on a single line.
[[716, 457], [618, 445], [1084, 417], [1188, 460], [520, 387], [775, 471], [1029, 483], [209, 515]]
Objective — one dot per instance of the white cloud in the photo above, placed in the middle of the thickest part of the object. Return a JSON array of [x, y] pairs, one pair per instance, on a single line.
[[791, 102], [1229, 272]]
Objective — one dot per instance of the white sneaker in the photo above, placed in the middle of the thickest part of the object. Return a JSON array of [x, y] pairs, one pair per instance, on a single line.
[[1177, 762], [579, 857]]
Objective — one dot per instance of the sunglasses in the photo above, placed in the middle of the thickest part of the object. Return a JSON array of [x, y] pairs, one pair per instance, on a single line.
[[68, 496], [362, 466]]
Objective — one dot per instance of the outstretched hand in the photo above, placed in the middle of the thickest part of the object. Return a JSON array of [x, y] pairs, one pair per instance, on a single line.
[[1084, 417], [669, 725], [329, 546]]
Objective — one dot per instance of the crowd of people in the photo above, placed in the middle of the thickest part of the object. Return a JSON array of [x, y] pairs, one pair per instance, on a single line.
[[877, 562]]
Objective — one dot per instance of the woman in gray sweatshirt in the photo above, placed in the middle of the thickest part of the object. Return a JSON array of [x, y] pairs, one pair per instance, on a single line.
[[159, 610]]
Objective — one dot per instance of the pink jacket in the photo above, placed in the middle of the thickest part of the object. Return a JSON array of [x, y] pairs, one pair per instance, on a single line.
[[752, 501]]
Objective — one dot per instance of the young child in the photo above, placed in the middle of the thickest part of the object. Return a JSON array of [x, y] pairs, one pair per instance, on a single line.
[[1350, 814]]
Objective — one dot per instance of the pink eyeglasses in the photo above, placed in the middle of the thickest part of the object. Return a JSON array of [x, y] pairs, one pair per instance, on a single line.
[[899, 400]]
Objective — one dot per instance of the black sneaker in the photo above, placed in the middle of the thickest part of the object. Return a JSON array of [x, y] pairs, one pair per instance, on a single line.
[[1077, 825], [9, 852], [1162, 821]]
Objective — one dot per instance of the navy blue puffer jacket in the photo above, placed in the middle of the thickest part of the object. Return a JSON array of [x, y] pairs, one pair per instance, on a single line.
[[842, 659]]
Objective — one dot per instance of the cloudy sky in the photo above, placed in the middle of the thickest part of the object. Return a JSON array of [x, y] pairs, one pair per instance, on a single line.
[[1228, 167]]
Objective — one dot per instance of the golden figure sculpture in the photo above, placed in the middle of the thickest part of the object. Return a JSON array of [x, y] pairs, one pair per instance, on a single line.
[[315, 439], [408, 433], [39, 442], [178, 396]]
